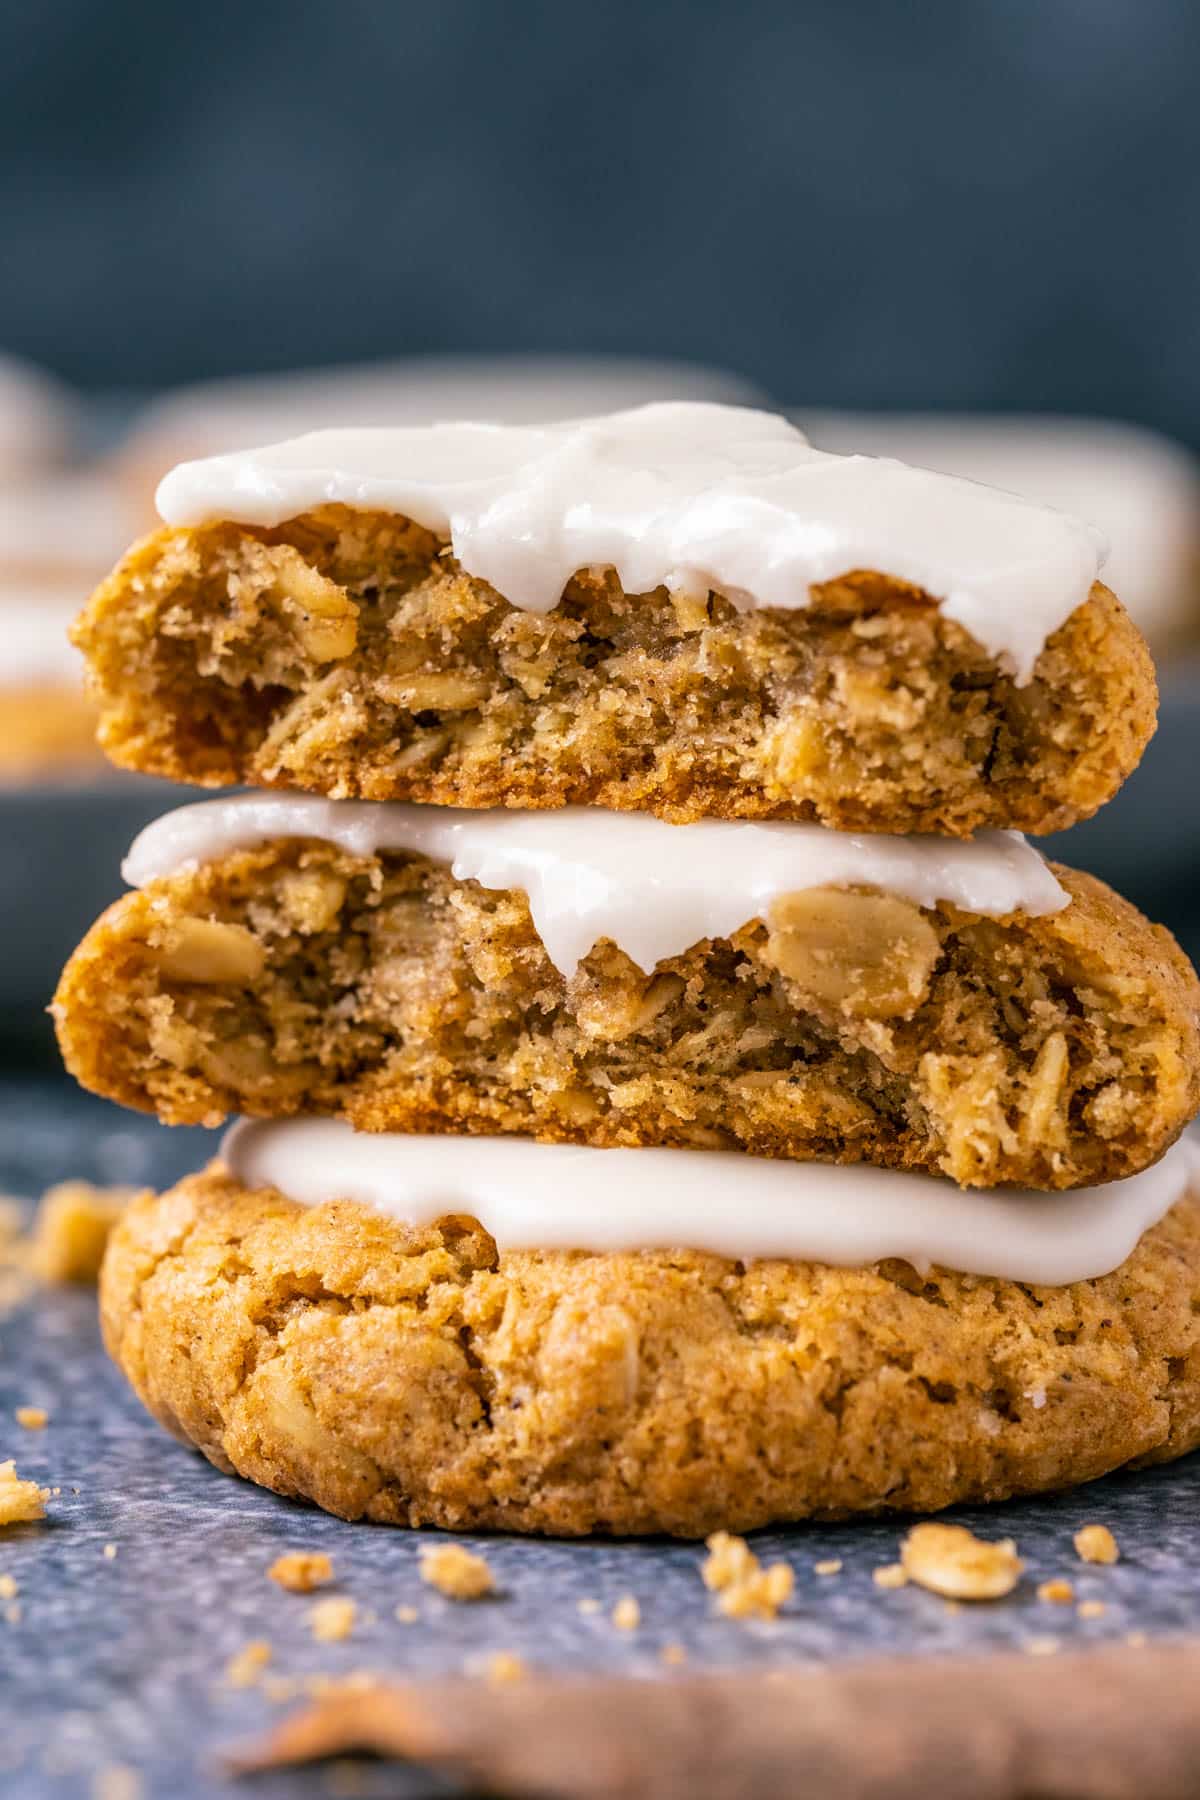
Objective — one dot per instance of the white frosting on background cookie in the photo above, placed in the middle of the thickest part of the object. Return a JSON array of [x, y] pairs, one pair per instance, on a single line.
[[532, 1196], [652, 888], [39, 417], [690, 496], [34, 646]]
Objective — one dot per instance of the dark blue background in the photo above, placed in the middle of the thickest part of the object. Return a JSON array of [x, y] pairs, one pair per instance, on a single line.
[[965, 203]]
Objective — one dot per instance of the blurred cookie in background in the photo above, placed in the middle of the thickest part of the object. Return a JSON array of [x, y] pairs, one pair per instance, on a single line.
[[40, 420], [47, 726], [1142, 489], [60, 533], [239, 414]]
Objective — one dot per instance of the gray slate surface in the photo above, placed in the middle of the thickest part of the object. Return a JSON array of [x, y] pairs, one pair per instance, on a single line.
[[120, 1661]]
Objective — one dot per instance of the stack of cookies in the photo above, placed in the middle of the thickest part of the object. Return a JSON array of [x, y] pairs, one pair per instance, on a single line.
[[674, 1093]]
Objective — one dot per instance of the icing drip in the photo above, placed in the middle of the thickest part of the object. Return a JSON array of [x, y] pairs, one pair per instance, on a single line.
[[654, 889]]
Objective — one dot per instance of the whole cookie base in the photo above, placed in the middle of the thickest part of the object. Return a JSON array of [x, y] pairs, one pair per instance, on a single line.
[[416, 1378]]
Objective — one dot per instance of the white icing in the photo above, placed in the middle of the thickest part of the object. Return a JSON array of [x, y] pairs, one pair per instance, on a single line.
[[532, 1196], [34, 646], [64, 522], [1139, 487], [690, 496], [652, 888]]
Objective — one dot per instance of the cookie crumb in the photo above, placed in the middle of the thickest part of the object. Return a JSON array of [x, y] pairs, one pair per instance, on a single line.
[[117, 1781], [502, 1667], [406, 1615], [1091, 1609], [20, 1501], [588, 1606], [12, 1613], [300, 1571], [1042, 1646], [244, 1669], [890, 1575], [1096, 1544], [832, 1565], [333, 1619], [627, 1614], [71, 1230], [1136, 1640], [673, 1655], [109, 1552], [8, 1587], [456, 1572], [1058, 1591], [950, 1560], [279, 1688], [745, 1588], [32, 1418]]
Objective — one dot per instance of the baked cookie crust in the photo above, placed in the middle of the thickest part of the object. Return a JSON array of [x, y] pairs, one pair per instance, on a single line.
[[1051, 1052], [414, 1378], [346, 653]]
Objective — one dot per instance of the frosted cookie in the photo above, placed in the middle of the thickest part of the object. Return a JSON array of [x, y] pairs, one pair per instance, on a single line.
[[1140, 488], [39, 419], [65, 527], [415, 1375], [57, 534], [609, 979], [47, 725], [682, 610]]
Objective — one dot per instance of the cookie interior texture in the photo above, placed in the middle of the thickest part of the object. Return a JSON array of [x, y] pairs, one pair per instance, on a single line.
[[347, 654], [415, 1378], [854, 1026]]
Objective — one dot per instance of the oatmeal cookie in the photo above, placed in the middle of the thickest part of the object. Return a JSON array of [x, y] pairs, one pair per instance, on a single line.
[[347, 653], [849, 1026], [47, 733], [414, 1377]]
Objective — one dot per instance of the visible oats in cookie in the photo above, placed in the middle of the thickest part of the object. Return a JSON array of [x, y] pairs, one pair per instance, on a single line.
[[789, 1386], [1052, 1052], [347, 653]]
